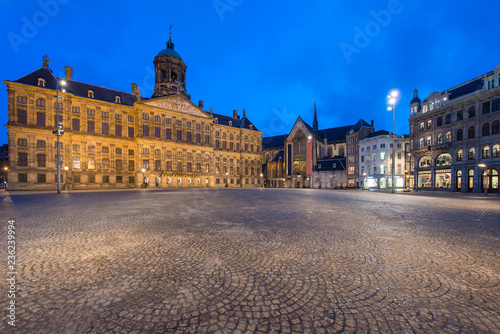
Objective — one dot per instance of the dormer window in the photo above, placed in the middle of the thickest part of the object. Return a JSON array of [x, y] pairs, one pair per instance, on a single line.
[[251, 127], [91, 93], [118, 99], [216, 120], [41, 82], [230, 123]]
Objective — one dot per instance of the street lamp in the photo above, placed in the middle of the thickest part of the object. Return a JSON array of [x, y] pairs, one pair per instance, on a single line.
[[58, 133], [392, 106], [261, 180], [484, 173], [227, 185]]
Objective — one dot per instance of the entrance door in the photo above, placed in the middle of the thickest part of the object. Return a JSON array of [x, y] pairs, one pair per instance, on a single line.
[[459, 180], [297, 184]]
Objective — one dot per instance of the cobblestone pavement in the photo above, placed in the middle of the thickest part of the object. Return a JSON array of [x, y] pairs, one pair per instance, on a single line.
[[253, 261]]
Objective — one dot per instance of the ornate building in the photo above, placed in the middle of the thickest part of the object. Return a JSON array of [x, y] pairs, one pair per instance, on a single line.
[[114, 139], [455, 136]]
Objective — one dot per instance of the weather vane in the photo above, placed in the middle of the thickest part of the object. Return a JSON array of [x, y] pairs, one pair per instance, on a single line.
[[170, 31]]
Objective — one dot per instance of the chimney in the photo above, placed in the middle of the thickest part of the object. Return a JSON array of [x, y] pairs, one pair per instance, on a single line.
[[68, 73], [200, 104], [372, 123], [244, 113], [136, 91], [45, 61], [235, 113]]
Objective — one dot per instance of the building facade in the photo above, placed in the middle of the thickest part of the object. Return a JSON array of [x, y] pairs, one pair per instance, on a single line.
[[114, 139], [455, 136], [375, 154], [359, 131], [273, 167]]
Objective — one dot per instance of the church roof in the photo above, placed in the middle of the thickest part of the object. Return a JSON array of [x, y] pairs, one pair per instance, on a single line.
[[273, 142], [77, 88], [335, 134]]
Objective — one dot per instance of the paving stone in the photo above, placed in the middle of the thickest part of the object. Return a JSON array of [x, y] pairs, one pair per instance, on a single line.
[[255, 261]]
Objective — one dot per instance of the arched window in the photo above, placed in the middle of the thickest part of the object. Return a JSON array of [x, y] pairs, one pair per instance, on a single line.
[[471, 132], [460, 155], [341, 151], [486, 152], [460, 134], [447, 137], [421, 142], [440, 138], [485, 129], [425, 161], [443, 159], [330, 152], [471, 153], [428, 141], [495, 151], [495, 127]]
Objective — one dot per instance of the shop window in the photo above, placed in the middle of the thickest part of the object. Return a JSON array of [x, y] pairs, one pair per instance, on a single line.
[[425, 161], [443, 159]]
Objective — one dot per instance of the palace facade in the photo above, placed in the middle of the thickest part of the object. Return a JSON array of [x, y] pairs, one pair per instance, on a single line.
[[115, 139], [455, 136]]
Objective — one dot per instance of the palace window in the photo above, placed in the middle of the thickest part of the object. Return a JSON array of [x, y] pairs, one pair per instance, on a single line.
[[118, 130], [40, 118], [118, 99], [22, 99], [41, 82], [40, 102], [76, 110], [22, 117], [157, 119], [91, 163], [76, 162], [91, 112], [41, 160], [90, 93], [168, 133]]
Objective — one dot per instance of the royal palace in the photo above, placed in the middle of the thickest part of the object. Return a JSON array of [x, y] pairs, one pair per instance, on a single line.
[[113, 139]]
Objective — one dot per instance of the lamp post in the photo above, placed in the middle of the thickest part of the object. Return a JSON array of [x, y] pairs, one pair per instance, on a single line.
[[261, 180], [58, 133], [484, 173], [392, 106], [227, 185]]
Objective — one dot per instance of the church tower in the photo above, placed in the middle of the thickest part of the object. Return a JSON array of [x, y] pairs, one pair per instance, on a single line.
[[170, 71], [315, 119]]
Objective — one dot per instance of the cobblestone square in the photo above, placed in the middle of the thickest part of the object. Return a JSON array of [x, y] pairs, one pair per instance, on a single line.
[[253, 261]]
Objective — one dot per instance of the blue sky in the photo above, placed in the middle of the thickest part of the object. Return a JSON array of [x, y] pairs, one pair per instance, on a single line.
[[269, 57]]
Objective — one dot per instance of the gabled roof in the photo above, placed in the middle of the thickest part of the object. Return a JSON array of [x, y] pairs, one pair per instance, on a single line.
[[361, 123], [378, 133], [77, 88], [335, 134], [242, 123], [334, 164], [273, 142]]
